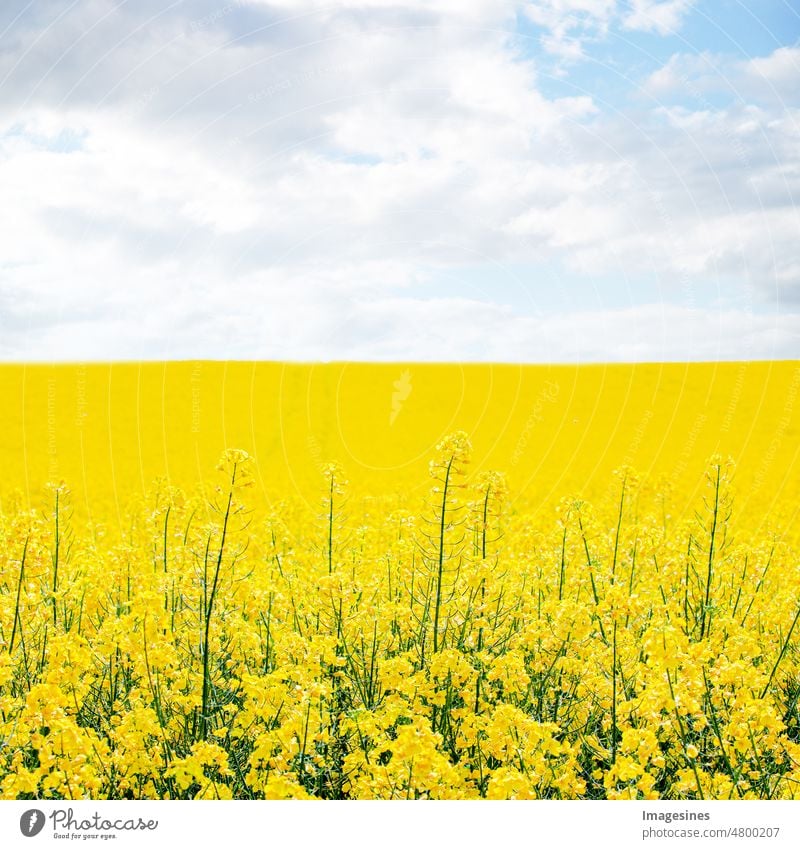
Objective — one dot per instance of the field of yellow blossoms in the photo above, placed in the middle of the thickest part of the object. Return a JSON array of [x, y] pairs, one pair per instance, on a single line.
[[384, 582]]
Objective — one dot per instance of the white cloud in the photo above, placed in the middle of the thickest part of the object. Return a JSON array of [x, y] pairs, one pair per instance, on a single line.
[[435, 329], [570, 23], [660, 16], [770, 79], [777, 74], [782, 66], [689, 75], [299, 184]]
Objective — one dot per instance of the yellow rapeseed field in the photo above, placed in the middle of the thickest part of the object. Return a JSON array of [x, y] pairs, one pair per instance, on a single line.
[[399, 581]]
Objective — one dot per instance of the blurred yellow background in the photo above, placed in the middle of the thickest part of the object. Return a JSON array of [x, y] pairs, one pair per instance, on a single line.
[[109, 430]]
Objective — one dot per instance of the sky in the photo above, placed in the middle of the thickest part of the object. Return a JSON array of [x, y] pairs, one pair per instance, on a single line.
[[459, 180]]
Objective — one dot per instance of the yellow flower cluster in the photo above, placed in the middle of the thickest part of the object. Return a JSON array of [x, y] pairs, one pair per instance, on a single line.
[[466, 646]]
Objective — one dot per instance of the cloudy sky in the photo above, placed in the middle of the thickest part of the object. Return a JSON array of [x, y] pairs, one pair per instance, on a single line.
[[561, 180]]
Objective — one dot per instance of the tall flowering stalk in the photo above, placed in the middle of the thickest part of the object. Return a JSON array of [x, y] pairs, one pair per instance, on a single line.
[[235, 466]]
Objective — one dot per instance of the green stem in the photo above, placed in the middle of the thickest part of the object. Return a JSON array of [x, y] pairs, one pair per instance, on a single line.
[[710, 568], [209, 606], [17, 621], [440, 570]]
